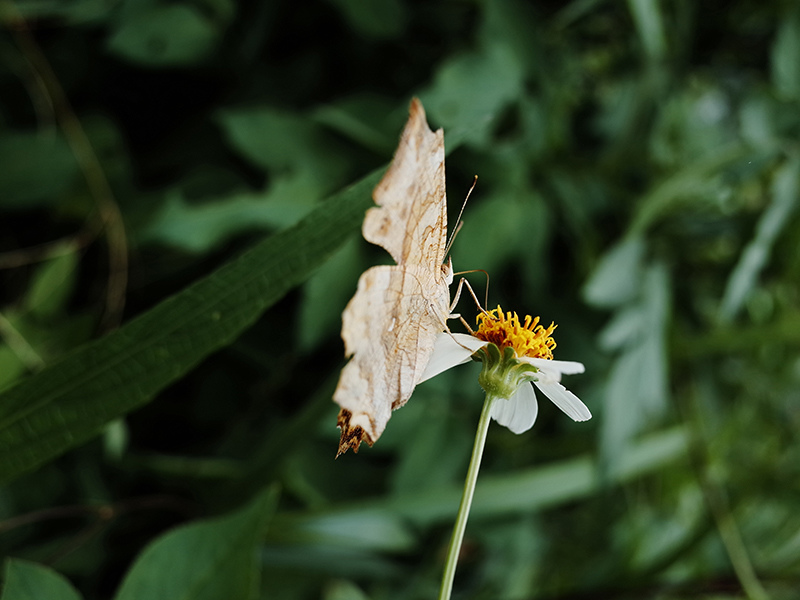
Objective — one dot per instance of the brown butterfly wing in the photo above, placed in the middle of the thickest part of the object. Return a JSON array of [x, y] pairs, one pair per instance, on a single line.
[[389, 328], [411, 218], [390, 324]]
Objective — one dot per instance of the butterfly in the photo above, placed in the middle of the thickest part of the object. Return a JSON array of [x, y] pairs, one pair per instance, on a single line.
[[390, 325]]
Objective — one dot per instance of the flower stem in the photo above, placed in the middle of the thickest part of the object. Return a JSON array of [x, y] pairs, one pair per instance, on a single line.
[[466, 500]]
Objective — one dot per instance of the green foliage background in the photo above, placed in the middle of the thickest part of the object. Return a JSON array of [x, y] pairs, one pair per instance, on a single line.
[[181, 190]]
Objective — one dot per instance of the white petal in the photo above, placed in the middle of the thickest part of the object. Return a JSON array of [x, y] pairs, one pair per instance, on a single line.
[[564, 399], [518, 413], [449, 352], [556, 368]]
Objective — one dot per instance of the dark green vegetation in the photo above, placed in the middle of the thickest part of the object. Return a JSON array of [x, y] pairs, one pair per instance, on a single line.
[[179, 236]]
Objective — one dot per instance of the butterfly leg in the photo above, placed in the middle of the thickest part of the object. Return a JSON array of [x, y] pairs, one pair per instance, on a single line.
[[446, 329], [461, 283], [451, 315]]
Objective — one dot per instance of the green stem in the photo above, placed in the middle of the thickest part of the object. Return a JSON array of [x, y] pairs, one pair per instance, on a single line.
[[466, 501], [716, 498], [735, 546]]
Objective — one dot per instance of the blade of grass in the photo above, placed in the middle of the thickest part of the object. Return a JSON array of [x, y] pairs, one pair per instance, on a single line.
[[70, 401]]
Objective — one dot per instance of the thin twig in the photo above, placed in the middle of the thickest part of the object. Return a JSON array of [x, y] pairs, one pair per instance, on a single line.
[[717, 501], [87, 160], [103, 515], [68, 244]]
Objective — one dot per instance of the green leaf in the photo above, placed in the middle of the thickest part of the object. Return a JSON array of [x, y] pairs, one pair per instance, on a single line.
[[37, 168], [34, 342], [436, 457], [368, 529], [636, 389], [366, 119], [52, 285], [280, 140], [167, 35], [344, 590], [693, 126], [29, 581], [379, 19], [617, 278], [198, 228], [73, 12], [650, 27], [691, 185], [469, 92], [11, 366], [215, 559], [18, 336], [785, 187], [758, 116], [326, 294], [70, 401], [517, 24], [508, 224], [624, 328], [520, 492], [786, 56]]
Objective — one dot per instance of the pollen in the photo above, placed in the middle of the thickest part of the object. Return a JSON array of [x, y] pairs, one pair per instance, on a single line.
[[505, 330]]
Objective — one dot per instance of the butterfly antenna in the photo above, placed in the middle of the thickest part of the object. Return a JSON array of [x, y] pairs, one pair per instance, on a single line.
[[459, 222], [486, 298]]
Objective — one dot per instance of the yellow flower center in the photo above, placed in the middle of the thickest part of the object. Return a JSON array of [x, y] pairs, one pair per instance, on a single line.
[[503, 330]]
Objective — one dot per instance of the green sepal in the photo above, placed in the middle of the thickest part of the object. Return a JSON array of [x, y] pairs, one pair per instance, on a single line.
[[502, 373]]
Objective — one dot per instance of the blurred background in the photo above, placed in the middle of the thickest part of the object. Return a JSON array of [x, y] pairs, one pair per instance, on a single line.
[[638, 168]]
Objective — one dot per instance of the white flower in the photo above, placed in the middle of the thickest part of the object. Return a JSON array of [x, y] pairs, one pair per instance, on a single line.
[[519, 411]]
